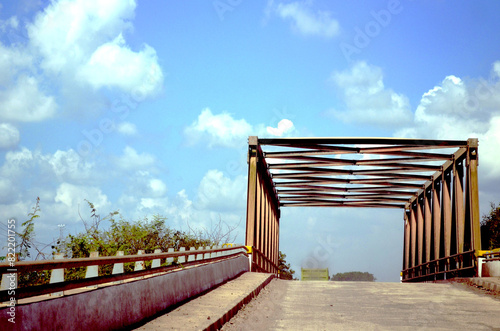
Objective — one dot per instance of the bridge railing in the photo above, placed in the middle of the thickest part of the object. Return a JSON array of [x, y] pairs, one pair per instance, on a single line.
[[57, 285], [489, 263], [457, 265], [260, 262]]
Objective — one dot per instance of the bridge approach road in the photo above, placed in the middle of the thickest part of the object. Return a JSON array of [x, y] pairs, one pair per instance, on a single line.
[[295, 305]]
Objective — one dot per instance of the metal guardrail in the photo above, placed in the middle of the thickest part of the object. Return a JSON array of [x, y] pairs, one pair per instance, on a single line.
[[260, 262], [457, 265], [491, 255], [29, 266]]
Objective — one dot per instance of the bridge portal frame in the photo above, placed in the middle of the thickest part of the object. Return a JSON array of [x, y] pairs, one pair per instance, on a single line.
[[438, 192]]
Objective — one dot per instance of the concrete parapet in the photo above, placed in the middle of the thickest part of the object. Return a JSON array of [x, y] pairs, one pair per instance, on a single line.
[[120, 305]]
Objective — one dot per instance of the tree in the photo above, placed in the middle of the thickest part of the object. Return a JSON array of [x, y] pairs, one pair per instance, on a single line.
[[285, 271], [354, 276], [122, 235], [490, 228]]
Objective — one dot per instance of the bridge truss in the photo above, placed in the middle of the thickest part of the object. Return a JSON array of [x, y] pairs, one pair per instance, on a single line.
[[433, 181]]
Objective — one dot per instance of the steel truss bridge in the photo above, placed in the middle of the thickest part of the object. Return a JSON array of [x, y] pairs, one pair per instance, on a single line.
[[434, 183]]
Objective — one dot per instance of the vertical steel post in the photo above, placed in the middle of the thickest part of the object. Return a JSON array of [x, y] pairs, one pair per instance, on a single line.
[[473, 194], [428, 224], [458, 197], [420, 229], [446, 213], [436, 217], [406, 248], [252, 192], [413, 237]]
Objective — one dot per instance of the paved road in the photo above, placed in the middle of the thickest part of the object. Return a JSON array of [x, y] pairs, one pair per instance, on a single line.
[[294, 305]]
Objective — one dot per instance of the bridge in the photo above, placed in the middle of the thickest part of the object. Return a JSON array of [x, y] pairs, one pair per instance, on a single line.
[[433, 182]]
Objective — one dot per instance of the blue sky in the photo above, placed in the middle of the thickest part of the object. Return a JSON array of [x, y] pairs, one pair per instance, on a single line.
[[146, 107]]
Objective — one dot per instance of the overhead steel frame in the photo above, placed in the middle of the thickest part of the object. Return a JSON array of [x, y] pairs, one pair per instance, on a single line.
[[433, 181]]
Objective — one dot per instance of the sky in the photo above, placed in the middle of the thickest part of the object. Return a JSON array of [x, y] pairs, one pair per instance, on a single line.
[[146, 106]]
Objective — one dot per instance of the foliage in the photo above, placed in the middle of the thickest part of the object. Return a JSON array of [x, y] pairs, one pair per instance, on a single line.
[[110, 234], [28, 233], [122, 235], [27, 242], [354, 276], [218, 233], [285, 271], [490, 228]]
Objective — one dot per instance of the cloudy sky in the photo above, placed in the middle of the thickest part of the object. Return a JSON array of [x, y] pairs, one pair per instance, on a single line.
[[146, 107]]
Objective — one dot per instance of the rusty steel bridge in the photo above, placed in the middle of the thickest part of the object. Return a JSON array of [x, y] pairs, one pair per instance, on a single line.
[[433, 182]]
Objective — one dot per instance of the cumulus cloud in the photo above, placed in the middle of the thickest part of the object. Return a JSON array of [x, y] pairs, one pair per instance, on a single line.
[[84, 39], [461, 109], [72, 50], [66, 32], [127, 128], [218, 192], [72, 195], [224, 131], [132, 160], [113, 64], [284, 126], [59, 166], [304, 20], [218, 130], [366, 98], [25, 102], [9, 135]]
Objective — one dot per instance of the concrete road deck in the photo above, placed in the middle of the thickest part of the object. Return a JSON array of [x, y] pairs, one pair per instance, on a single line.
[[295, 305]]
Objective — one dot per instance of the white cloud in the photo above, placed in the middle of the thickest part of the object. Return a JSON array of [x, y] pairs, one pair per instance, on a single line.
[[496, 68], [218, 192], [9, 135], [115, 65], [72, 50], [68, 165], [131, 160], [158, 187], [225, 131], [23, 101], [284, 126], [458, 109], [218, 130], [304, 20], [84, 39], [367, 100], [72, 195], [67, 32], [127, 128]]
